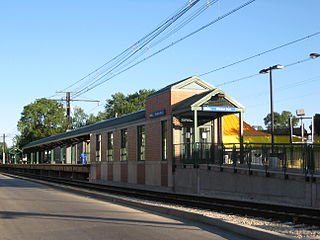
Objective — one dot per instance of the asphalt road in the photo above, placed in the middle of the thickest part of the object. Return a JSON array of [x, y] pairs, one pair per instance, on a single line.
[[31, 211]]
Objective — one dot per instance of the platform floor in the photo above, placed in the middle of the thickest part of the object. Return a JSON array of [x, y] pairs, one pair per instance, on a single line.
[[30, 211]]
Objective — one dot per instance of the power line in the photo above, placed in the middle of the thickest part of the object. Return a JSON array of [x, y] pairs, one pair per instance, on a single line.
[[238, 80], [290, 98], [139, 49], [260, 54], [172, 31], [100, 80], [135, 48], [285, 87], [255, 75]]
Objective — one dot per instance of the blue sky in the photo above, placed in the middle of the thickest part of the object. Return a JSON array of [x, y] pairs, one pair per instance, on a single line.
[[48, 45]]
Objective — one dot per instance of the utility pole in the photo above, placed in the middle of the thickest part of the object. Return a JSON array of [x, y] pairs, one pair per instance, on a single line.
[[4, 149], [68, 101]]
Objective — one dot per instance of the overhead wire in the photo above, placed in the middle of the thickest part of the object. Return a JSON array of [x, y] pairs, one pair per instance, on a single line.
[[134, 49], [132, 46], [254, 75], [100, 80], [143, 44], [284, 87], [175, 28], [260, 54]]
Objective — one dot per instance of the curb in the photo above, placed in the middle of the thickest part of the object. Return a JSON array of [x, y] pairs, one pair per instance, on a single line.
[[247, 231]]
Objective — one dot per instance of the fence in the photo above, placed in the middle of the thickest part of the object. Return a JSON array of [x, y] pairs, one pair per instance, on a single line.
[[300, 158]]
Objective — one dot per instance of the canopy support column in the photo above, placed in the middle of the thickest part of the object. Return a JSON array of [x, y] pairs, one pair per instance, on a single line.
[[241, 136], [196, 132]]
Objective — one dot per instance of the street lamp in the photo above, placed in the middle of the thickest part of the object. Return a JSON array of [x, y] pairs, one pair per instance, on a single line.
[[269, 70], [314, 55]]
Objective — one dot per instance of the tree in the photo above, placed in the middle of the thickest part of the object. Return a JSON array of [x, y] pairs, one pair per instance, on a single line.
[[120, 104], [93, 119], [79, 118], [281, 121], [41, 119]]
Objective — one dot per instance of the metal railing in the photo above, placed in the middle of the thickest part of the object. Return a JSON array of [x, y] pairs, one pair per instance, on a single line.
[[300, 158]]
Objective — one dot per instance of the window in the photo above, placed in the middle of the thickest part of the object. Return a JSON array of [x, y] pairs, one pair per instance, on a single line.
[[98, 147], [110, 147], [141, 143], [164, 140], [124, 145]]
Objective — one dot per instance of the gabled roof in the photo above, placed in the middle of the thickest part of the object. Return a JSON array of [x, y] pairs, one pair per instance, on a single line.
[[199, 100], [217, 91], [190, 83], [187, 103], [80, 132]]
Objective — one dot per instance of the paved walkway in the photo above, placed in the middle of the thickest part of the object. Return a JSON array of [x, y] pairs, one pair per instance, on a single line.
[[30, 211]]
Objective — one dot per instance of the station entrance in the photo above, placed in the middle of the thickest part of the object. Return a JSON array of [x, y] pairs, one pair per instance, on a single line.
[[199, 121]]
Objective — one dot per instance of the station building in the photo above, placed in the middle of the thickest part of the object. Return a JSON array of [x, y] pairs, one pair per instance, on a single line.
[[142, 147]]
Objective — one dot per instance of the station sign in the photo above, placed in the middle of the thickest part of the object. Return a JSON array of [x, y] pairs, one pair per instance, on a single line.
[[219, 109], [185, 120], [158, 113]]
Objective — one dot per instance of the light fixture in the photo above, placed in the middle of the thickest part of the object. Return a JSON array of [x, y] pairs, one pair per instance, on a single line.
[[314, 55], [269, 70], [266, 70]]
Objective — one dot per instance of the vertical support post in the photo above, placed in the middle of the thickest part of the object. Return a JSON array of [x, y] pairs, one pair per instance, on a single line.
[[61, 154], [37, 157], [68, 100], [195, 149], [196, 132], [312, 129], [291, 130], [241, 136], [302, 130], [52, 156], [221, 129], [4, 149], [271, 109]]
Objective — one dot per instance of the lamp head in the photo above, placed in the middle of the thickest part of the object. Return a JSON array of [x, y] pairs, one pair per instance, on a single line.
[[314, 55], [266, 70], [278, 66], [263, 71]]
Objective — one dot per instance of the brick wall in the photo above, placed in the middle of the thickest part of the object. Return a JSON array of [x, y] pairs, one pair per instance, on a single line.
[[132, 143], [159, 102], [93, 147], [116, 145], [177, 95], [153, 170], [153, 140], [103, 150]]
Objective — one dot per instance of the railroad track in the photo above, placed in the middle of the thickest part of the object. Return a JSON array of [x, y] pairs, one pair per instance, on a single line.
[[297, 215]]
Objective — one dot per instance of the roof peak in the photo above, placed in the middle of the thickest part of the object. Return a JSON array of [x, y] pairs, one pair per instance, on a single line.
[[190, 83]]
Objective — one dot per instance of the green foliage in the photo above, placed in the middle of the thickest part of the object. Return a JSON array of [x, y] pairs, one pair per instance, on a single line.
[[93, 119], [41, 119], [120, 104], [259, 128], [281, 121], [79, 118]]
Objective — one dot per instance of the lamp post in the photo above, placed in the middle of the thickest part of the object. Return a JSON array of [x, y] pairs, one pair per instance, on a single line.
[[269, 70]]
